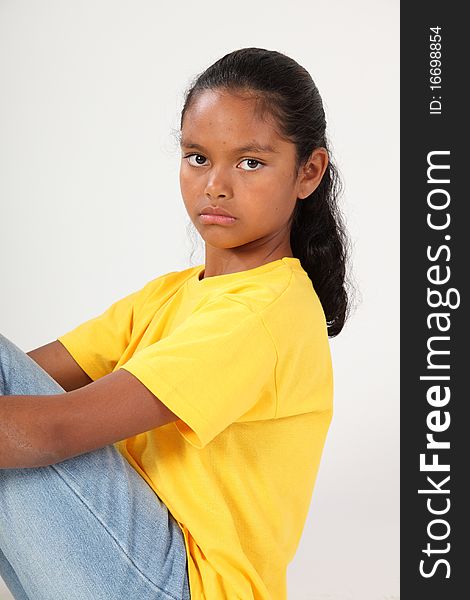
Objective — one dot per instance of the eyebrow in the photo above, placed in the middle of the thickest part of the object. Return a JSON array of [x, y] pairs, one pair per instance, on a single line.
[[252, 147]]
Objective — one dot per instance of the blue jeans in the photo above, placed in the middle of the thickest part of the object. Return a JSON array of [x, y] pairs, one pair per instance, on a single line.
[[86, 528]]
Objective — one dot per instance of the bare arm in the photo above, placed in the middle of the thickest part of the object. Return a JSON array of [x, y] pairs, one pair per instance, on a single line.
[[43, 430], [56, 360]]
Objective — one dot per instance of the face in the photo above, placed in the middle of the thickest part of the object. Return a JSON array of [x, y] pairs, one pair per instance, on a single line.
[[234, 161]]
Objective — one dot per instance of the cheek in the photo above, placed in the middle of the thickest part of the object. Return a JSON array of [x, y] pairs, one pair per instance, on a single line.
[[183, 178], [260, 186], [280, 197], [186, 183]]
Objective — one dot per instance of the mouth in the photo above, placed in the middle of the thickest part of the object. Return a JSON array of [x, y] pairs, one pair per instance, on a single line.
[[216, 215], [215, 210], [216, 219]]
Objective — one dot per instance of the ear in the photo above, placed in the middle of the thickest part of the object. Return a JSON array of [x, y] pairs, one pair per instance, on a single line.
[[312, 172]]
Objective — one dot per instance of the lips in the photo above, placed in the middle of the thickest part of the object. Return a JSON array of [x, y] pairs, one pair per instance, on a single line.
[[210, 210]]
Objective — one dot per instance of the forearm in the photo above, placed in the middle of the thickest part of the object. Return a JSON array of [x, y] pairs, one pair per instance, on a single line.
[[27, 431]]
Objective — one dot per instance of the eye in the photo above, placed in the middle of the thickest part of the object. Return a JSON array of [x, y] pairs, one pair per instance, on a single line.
[[252, 164], [196, 162]]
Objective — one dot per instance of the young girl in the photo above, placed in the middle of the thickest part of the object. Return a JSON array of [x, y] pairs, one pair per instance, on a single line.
[[168, 448]]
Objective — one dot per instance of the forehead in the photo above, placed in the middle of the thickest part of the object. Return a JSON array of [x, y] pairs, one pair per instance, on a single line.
[[220, 117]]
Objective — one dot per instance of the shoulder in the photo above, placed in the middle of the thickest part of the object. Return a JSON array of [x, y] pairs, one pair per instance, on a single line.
[[289, 309], [167, 283], [282, 291]]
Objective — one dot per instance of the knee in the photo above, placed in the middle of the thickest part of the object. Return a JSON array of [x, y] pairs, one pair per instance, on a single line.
[[5, 360], [6, 344], [3, 340]]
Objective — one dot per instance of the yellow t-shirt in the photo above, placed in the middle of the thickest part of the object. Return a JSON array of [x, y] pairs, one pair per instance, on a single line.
[[243, 360]]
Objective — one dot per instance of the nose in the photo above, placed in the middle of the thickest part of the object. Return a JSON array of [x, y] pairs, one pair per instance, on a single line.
[[218, 184]]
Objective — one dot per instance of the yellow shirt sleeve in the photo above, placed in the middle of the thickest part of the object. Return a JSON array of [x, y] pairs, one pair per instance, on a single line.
[[215, 368], [97, 344]]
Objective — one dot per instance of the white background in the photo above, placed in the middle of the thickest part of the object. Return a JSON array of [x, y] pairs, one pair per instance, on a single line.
[[91, 210]]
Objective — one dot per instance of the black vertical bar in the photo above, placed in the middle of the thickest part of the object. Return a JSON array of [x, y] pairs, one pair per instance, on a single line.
[[435, 259]]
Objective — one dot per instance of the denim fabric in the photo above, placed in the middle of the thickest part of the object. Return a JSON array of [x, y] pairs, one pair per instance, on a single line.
[[87, 528]]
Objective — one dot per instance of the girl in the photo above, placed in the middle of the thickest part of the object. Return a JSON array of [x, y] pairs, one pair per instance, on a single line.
[[168, 448]]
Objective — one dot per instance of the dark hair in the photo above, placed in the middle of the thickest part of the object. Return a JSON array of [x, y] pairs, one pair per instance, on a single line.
[[287, 92]]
